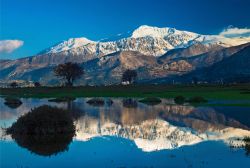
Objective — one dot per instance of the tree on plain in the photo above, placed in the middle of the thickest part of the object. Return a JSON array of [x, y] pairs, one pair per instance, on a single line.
[[37, 84], [194, 80], [13, 85], [129, 76], [69, 72]]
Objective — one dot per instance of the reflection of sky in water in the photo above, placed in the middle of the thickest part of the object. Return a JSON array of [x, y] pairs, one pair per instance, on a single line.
[[145, 128], [229, 102], [9, 115], [118, 152]]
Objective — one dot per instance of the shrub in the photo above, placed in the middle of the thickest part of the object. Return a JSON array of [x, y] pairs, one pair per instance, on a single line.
[[62, 99], [12, 102], [179, 100], [197, 99], [151, 100], [129, 103], [96, 102]]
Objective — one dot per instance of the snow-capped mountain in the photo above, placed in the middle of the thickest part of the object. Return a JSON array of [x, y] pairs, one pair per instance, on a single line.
[[159, 127], [164, 126], [157, 53], [154, 134], [68, 44], [146, 40]]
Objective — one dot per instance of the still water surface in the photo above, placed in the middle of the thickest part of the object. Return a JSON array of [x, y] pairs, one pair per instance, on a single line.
[[127, 133]]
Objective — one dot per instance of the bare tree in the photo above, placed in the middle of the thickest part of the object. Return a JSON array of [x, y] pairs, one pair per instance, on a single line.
[[69, 72]]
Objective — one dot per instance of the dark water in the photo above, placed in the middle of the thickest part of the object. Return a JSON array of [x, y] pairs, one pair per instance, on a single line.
[[127, 133]]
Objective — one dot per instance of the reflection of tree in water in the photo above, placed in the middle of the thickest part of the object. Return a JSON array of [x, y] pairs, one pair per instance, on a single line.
[[44, 130], [247, 145], [151, 101], [243, 143], [45, 145], [12, 102], [109, 102], [96, 102], [247, 148], [129, 103]]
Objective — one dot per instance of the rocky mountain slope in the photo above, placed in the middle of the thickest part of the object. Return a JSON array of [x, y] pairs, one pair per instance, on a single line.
[[158, 127], [228, 65], [145, 39], [153, 52], [233, 68], [154, 129]]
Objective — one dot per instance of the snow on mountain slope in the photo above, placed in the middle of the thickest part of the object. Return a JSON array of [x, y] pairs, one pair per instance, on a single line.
[[68, 44], [175, 38], [221, 40], [145, 45], [154, 134], [180, 39], [146, 40]]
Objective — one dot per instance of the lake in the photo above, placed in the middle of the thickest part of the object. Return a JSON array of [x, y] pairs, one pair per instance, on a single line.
[[127, 133]]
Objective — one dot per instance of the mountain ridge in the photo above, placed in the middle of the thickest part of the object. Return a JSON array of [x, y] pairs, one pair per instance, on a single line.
[[154, 53], [172, 38]]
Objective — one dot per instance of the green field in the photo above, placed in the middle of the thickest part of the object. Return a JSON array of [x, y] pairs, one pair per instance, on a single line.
[[232, 92]]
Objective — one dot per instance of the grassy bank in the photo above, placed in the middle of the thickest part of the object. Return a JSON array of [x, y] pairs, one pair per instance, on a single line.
[[235, 92]]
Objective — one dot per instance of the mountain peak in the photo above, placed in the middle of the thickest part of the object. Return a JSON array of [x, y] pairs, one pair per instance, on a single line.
[[157, 32], [148, 40], [68, 44], [81, 41], [146, 30]]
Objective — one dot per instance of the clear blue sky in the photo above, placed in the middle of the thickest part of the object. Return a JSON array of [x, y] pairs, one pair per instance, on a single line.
[[42, 23]]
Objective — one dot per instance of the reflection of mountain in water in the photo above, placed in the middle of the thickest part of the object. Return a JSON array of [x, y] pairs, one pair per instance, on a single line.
[[200, 118], [160, 127], [163, 126]]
